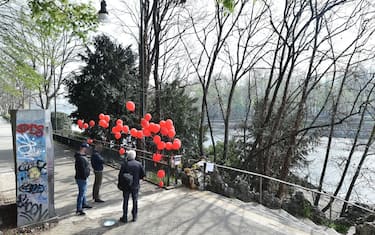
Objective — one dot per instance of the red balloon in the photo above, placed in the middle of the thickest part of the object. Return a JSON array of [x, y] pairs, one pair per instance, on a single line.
[[80, 122], [133, 132], [130, 106], [148, 117], [107, 118], [144, 123], [117, 135], [171, 133], [125, 129], [102, 123], [161, 145], [161, 184], [118, 128], [169, 123], [85, 125], [114, 130], [139, 134], [92, 123], [106, 125], [90, 141], [146, 132], [121, 151], [168, 146], [156, 157], [164, 131], [157, 139], [101, 116], [161, 174], [176, 144], [119, 122], [154, 128], [162, 123]]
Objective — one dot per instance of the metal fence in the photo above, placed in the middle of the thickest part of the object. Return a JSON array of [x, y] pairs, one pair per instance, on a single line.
[[249, 186], [113, 158]]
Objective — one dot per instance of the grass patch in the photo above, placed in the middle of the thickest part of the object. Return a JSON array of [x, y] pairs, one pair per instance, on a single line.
[[341, 228]]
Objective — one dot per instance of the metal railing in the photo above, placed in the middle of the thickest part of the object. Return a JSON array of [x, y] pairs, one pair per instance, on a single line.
[[113, 159], [272, 179]]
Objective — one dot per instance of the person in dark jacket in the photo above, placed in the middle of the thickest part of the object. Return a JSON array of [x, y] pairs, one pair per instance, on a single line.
[[97, 162], [82, 173], [135, 168]]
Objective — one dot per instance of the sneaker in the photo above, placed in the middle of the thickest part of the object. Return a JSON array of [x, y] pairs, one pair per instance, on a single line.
[[98, 200], [134, 219], [87, 206], [80, 213], [124, 220]]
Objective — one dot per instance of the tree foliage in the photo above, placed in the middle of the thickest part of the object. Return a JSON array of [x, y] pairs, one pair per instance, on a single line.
[[39, 40], [106, 82], [57, 16]]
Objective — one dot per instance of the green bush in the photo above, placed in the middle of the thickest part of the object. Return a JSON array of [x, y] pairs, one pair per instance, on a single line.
[[341, 228]]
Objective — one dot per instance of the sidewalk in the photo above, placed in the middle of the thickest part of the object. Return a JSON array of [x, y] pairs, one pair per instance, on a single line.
[[177, 211]]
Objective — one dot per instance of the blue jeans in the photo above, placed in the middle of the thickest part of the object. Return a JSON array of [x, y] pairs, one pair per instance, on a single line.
[[81, 198], [126, 195]]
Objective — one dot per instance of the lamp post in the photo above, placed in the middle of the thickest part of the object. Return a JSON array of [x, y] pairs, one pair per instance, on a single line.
[[141, 58], [54, 89], [103, 13], [103, 16]]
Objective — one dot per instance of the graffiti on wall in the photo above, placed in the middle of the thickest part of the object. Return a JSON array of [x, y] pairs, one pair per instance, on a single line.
[[32, 177]]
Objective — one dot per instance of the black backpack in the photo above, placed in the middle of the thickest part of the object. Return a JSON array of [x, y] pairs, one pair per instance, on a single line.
[[125, 179]]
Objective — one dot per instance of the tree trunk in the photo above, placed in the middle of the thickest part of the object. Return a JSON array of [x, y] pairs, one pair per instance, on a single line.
[[358, 170]]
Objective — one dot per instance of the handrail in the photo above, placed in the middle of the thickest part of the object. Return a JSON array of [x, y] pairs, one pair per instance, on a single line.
[[296, 185], [77, 137], [263, 176]]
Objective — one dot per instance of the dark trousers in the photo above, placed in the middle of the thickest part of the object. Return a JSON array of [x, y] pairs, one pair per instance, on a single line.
[[97, 184], [126, 195]]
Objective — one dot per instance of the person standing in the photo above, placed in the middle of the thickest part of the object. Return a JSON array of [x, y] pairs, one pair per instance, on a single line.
[[135, 168], [82, 168], [97, 162]]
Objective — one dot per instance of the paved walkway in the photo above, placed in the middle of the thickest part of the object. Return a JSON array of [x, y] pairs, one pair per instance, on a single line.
[[176, 211]]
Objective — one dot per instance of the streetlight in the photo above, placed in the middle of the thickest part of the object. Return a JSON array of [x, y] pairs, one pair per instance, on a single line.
[[103, 16], [103, 13]]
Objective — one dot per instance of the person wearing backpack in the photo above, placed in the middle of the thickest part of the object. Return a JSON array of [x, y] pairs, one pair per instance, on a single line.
[[128, 182]]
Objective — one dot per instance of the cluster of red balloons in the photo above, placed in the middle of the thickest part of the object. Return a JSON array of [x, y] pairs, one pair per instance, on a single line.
[[104, 120], [119, 129], [158, 131], [161, 174]]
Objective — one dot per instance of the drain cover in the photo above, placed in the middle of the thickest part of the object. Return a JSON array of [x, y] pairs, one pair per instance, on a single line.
[[109, 222]]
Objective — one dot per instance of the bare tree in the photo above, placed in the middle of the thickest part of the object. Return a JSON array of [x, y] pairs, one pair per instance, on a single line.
[[158, 52], [243, 50], [210, 37]]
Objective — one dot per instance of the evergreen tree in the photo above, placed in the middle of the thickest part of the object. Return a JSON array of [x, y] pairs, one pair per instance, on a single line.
[[105, 83]]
